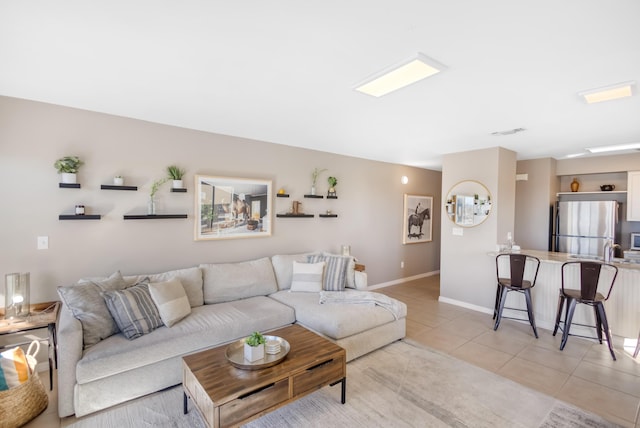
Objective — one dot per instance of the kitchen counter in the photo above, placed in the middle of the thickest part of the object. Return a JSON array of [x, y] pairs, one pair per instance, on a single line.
[[623, 307]]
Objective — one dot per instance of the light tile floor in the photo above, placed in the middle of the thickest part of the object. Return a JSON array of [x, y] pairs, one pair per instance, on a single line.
[[583, 374]]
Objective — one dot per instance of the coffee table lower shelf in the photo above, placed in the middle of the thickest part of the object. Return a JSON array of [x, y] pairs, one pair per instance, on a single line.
[[227, 396]]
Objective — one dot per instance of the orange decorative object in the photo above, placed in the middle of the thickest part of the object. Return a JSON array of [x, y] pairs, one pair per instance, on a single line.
[[575, 185]]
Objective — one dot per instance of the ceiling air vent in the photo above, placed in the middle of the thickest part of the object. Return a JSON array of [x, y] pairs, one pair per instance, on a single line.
[[508, 132]]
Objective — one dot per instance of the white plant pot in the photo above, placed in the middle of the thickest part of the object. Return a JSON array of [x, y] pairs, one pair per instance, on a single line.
[[68, 177], [177, 184], [118, 181], [253, 353]]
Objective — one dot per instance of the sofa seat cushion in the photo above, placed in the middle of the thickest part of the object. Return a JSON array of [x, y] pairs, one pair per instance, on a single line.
[[205, 327], [335, 321]]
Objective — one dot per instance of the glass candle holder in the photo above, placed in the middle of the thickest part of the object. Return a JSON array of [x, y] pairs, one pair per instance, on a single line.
[[16, 296]]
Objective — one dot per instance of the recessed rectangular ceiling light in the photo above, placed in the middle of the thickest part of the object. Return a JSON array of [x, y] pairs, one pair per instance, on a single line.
[[607, 93], [616, 148], [393, 78]]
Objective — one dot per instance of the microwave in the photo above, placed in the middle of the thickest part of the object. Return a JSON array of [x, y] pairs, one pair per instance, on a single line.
[[635, 241]]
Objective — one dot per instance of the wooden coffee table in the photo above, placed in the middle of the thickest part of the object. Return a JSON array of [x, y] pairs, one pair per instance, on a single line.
[[226, 396]]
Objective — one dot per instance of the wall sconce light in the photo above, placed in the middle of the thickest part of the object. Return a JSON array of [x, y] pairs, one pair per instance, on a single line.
[[16, 295], [404, 179]]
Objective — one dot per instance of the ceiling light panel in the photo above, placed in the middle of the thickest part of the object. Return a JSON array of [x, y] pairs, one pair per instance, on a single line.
[[608, 93], [616, 148], [415, 69]]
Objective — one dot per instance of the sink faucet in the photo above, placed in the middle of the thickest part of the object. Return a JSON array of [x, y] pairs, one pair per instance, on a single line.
[[609, 250]]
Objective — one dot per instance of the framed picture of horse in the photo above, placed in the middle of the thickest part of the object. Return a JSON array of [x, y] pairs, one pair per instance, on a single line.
[[230, 208], [417, 225]]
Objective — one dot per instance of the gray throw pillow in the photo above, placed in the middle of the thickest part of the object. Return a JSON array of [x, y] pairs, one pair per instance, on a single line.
[[133, 310], [88, 306]]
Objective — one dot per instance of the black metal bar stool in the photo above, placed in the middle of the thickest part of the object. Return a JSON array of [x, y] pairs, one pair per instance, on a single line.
[[516, 282], [589, 277]]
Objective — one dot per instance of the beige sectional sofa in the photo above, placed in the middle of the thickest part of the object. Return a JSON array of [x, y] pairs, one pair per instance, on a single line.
[[227, 301]]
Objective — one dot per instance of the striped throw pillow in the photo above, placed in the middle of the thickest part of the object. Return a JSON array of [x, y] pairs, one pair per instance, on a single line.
[[335, 272], [133, 310], [14, 368]]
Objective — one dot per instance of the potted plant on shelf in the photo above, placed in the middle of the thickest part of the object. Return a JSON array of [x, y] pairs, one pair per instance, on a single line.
[[314, 178], [118, 180], [151, 208], [176, 175], [333, 182], [67, 168], [254, 347]]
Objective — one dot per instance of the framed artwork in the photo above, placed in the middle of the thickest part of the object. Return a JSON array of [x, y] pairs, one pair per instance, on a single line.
[[417, 225], [230, 208]]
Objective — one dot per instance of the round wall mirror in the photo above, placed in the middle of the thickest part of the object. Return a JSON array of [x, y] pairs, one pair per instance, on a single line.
[[468, 203]]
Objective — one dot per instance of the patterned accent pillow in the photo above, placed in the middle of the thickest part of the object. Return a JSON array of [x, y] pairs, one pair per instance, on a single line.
[[14, 368], [171, 299], [88, 306], [335, 272], [307, 277], [133, 310]]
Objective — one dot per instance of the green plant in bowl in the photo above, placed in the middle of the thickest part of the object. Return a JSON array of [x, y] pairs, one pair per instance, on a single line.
[[68, 164], [256, 339], [175, 173]]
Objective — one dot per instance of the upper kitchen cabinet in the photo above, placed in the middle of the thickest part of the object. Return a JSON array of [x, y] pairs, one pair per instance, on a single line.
[[633, 196]]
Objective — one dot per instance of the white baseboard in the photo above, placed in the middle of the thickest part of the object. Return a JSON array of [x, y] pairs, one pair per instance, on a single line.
[[466, 305], [402, 280]]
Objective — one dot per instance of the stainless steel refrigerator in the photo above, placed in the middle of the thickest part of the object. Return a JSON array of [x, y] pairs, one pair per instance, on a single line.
[[583, 227]]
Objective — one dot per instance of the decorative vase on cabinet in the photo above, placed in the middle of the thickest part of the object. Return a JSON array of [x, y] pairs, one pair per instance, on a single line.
[[575, 185]]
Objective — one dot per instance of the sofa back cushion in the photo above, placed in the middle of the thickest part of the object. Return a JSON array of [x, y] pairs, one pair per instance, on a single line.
[[190, 278], [224, 282], [283, 268]]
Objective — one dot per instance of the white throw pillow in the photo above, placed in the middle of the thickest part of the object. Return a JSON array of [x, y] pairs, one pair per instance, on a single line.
[[171, 300], [307, 277]]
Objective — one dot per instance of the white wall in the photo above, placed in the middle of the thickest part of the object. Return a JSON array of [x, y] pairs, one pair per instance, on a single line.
[[33, 135]]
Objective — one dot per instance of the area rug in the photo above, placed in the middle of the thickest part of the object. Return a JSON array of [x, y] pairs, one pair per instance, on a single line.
[[400, 385]]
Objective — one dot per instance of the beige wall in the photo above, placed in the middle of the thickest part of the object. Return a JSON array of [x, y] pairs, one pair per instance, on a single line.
[[599, 164], [467, 273], [534, 197], [33, 135]]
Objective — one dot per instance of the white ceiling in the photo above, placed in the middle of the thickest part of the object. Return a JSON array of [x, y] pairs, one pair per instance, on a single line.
[[284, 71]]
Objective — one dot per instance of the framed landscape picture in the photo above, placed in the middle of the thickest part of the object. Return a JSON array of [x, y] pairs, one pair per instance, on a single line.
[[229, 208], [417, 225]]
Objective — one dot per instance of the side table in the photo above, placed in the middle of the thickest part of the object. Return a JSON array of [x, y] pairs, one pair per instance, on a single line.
[[41, 315]]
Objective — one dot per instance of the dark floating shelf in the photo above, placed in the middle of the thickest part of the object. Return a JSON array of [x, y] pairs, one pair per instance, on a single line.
[[282, 195], [295, 215], [178, 190], [69, 185], [79, 217], [314, 196], [328, 215], [153, 216], [332, 197], [114, 187]]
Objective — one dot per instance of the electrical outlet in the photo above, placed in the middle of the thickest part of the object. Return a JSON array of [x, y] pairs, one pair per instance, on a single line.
[[43, 242], [401, 265]]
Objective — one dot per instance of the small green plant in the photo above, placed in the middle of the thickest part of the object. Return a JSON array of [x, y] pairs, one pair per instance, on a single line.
[[255, 339], [156, 185], [315, 174], [68, 164], [175, 173], [332, 181]]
